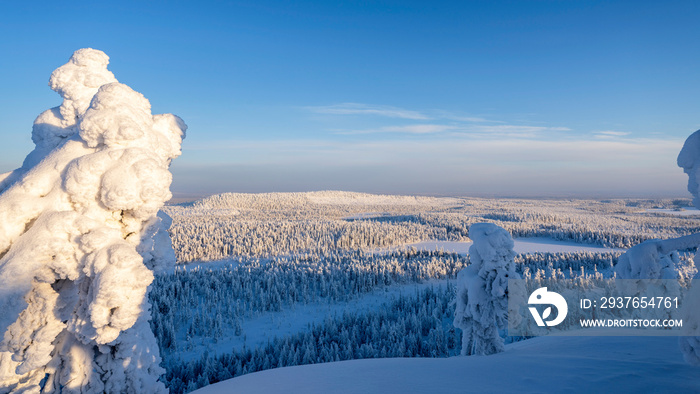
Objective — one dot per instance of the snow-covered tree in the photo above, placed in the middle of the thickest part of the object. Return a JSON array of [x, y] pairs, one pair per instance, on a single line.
[[482, 289], [654, 259], [689, 160], [80, 234]]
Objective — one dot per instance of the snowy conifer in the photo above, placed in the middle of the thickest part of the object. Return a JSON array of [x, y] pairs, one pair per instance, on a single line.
[[689, 160], [655, 258], [482, 289], [80, 234]]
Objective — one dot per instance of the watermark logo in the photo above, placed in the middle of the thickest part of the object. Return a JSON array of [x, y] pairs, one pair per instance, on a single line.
[[543, 297]]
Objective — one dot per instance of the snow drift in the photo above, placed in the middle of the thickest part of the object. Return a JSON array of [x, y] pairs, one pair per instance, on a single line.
[[538, 365], [80, 233]]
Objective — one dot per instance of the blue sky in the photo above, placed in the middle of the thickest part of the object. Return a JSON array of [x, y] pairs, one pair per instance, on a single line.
[[487, 98]]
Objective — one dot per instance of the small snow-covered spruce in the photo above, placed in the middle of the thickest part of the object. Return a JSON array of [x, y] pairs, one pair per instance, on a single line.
[[482, 290], [655, 258], [80, 233], [658, 262], [689, 160]]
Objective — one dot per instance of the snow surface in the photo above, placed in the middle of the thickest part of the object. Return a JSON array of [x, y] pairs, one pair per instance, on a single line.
[[326, 197], [683, 212], [543, 364]]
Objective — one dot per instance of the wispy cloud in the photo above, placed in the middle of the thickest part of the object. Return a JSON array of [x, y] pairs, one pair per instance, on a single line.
[[459, 117], [511, 130], [464, 130], [442, 121], [472, 119], [610, 134], [366, 109], [407, 129]]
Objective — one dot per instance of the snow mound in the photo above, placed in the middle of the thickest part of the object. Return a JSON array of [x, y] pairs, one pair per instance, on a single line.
[[538, 365], [80, 233]]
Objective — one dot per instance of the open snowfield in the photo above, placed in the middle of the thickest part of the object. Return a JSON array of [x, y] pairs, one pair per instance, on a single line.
[[677, 212], [538, 365], [522, 245]]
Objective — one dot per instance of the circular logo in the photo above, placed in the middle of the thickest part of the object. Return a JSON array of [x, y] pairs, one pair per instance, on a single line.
[[543, 297]]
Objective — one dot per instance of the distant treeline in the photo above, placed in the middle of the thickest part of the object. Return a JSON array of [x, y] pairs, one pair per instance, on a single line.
[[267, 225]]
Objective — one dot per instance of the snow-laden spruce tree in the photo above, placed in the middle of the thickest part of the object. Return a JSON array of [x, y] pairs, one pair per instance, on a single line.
[[482, 289], [654, 259], [689, 160], [80, 233]]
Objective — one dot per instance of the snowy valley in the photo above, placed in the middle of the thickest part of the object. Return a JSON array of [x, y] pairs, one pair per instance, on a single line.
[[378, 283]]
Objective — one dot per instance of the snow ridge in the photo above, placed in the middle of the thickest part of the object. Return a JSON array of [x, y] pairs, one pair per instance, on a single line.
[[327, 197]]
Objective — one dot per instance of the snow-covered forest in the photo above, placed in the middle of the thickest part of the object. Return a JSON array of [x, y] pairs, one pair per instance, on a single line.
[[256, 289], [265, 225]]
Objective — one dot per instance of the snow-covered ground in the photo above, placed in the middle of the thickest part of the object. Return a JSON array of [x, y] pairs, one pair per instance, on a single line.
[[684, 212], [538, 365], [522, 245]]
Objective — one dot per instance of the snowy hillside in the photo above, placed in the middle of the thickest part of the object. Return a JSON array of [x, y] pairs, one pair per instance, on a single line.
[[544, 364], [271, 281], [330, 197]]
